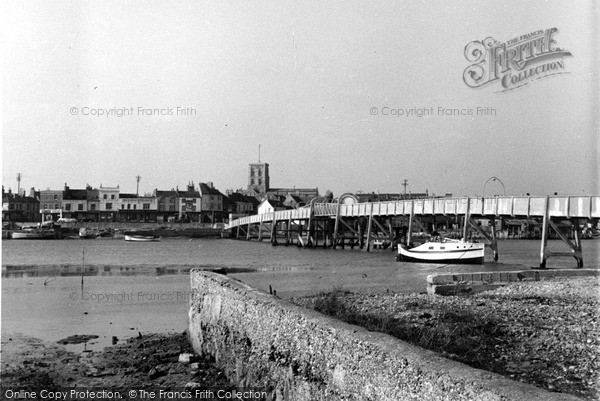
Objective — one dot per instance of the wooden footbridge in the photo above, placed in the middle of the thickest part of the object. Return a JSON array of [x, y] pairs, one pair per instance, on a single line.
[[346, 222]]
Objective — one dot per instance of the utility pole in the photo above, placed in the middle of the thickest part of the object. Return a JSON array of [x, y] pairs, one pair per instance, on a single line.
[[405, 184], [259, 153], [137, 190]]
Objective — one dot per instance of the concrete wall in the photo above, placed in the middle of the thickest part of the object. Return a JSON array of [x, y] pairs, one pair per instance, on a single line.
[[472, 283], [294, 353]]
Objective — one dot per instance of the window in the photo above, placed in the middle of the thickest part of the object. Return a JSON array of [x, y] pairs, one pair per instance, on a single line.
[[112, 197], [122, 206], [80, 206], [105, 196], [93, 206], [45, 207], [146, 206], [128, 206], [55, 197], [134, 207], [108, 206], [56, 206], [68, 206]]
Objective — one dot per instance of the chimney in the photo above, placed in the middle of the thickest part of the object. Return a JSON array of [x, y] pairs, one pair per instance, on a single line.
[[210, 185], [32, 192]]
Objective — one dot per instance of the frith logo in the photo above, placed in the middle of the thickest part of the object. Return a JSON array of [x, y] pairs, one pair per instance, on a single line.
[[516, 62]]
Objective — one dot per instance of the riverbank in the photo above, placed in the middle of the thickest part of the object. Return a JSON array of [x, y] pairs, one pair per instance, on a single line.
[[149, 362], [542, 333]]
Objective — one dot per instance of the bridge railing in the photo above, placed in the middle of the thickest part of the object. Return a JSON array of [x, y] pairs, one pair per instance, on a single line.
[[507, 206], [325, 209]]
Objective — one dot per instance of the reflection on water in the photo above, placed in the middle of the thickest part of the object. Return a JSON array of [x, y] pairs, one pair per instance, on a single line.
[[12, 271]]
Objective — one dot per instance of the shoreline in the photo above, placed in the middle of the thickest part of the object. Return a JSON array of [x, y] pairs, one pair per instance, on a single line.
[[152, 361], [545, 333]]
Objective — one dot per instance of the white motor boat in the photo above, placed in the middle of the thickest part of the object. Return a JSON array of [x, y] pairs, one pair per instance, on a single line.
[[445, 251]]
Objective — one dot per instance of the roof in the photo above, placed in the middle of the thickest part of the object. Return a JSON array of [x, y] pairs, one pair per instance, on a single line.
[[296, 198], [293, 189], [165, 193], [207, 190], [188, 194], [75, 194], [14, 198], [274, 203], [237, 197]]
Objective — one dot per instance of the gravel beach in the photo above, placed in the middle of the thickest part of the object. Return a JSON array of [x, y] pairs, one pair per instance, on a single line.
[[543, 333]]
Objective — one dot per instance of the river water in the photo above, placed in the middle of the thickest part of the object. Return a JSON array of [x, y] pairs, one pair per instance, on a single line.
[[130, 288]]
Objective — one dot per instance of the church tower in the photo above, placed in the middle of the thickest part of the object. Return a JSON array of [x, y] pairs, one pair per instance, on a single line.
[[258, 176]]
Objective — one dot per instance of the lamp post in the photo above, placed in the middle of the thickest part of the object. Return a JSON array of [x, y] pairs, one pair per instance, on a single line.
[[493, 179], [493, 241]]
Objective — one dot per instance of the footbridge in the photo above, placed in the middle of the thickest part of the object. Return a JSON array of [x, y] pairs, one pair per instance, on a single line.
[[345, 221]]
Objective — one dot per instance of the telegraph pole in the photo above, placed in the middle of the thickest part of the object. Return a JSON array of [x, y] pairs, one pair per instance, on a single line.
[[405, 184], [137, 190]]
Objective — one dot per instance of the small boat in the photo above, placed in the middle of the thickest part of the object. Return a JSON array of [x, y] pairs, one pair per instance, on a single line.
[[106, 233], [88, 233], [34, 233], [443, 251], [142, 238]]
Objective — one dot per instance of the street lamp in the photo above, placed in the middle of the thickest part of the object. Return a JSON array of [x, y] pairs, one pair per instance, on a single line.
[[493, 179]]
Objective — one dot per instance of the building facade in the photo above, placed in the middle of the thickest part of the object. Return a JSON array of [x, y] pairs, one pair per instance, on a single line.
[[51, 204], [19, 207], [108, 203], [189, 204], [212, 203], [136, 208], [75, 203]]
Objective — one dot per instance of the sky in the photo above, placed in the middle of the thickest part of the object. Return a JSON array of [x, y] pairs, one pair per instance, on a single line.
[[318, 85]]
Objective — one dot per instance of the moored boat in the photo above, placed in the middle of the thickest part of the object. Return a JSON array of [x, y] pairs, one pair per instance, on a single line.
[[141, 238], [88, 233], [34, 233], [443, 251]]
